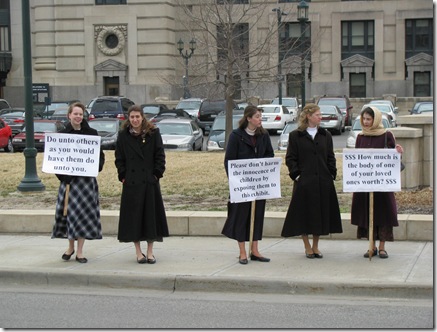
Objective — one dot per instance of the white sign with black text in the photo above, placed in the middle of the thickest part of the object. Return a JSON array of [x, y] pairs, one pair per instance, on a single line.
[[254, 179], [371, 170], [71, 154]]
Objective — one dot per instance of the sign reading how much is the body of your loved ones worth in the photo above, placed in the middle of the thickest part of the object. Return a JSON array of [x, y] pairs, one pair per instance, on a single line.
[[371, 170], [254, 179], [70, 154]]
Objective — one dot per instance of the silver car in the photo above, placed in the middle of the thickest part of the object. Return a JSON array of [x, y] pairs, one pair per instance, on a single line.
[[181, 134], [283, 139], [190, 105], [356, 129], [332, 119]]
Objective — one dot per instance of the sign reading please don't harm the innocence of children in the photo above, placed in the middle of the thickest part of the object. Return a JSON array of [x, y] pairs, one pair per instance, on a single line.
[[254, 179], [71, 154], [371, 170]]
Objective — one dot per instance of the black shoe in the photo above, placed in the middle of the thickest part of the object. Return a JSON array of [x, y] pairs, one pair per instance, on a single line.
[[383, 254], [142, 260], [81, 260], [258, 258], [309, 255], [375, 252], [319, 255], [243, 261], [66, 257], [151, 260]]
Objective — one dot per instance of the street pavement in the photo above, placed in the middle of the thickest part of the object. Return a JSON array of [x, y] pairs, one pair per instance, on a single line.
[[211, 264]]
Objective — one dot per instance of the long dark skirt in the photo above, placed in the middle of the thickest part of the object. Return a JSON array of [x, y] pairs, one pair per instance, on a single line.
[[380, 233], [83, 214]]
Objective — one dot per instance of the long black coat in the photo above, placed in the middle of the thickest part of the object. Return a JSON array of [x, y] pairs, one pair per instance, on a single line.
[[237, 225], [140, 164], [384, 206], [314, 206]]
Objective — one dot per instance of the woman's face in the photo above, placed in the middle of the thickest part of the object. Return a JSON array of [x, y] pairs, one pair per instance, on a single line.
[[76, 116], [135, 120], [255, 121], [314, 119], [367, 120]]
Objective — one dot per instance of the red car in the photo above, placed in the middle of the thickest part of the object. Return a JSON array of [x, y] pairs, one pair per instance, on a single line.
[[5, 136], [40, 127]]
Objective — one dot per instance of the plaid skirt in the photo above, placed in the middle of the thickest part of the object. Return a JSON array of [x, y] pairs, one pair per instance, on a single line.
[[83, 214]]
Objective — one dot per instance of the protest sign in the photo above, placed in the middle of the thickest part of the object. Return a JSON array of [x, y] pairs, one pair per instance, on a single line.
[[371, 170], [69, 154], [254, 179]]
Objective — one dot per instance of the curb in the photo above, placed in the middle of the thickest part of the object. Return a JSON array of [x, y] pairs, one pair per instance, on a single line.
[[188, 283]]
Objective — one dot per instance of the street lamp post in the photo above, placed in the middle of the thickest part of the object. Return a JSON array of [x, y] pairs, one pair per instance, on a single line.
[[302, 17], [185, 55], [279, 14]]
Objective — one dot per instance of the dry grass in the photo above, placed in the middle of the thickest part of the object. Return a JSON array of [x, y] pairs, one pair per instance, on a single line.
[[192, 181]]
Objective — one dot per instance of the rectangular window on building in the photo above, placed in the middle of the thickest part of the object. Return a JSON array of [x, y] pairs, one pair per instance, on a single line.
[[294, 85], [422, 84], [357, 37], [235, 2], [111, 2], [418, 37], [239, 40], [285, 1], [357, 88], [291, 42]]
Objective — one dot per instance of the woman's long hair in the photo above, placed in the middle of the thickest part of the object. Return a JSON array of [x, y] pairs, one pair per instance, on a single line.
[[303, 119], [147, 127], [249, 112]]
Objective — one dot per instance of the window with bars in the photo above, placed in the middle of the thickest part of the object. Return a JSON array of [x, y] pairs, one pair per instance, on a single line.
[[238, 37], [422, 84], [357, 88], [418, 37], [235, 2], [111, 2], [293, 41], [358, 37]]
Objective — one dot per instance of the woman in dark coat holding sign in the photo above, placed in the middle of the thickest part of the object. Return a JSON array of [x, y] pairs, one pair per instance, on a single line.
[[82, 220], [311, 163], [140, 162], [250, 140], [374, 136]]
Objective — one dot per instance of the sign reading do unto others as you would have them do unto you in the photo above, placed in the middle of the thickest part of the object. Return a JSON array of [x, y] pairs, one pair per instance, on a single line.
[[371, 170], [254, 179], [69, 154]]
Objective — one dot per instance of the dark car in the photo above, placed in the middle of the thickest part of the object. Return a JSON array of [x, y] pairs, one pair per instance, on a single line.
[[151, 110], [343, 103], [5, 137], [422, 107], [171, 114], [208, 111], [48, 110], [108, 130], [40, 127], [109, 107], [4, 104], [16, 119], [216, 137]]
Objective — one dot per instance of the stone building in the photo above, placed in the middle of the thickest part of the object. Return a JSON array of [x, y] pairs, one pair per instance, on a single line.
[[85, 48]]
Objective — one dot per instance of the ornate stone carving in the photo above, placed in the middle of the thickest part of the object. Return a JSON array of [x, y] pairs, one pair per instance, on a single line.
[[110, 39]]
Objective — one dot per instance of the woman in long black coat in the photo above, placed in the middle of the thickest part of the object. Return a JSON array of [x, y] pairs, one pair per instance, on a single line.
[[83, 211], [248, 141], [374, 136], [311, 163], [140, 162]]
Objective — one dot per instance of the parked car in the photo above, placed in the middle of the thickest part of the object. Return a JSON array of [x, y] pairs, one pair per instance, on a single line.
[[108, 130], [208, 111], [5, 137], [4, 104], [61, 114], [16, 119], [422, 107], [332, 119], [170, 114], [384, 108], [181, 134], [150, 110], [385, 102], [242, 105], [343, 103], [291, 103], [356, 129], [283, 139], [190, 105], [48, 110], [109, 107], [216, 136], [275, 117], [40, 127]]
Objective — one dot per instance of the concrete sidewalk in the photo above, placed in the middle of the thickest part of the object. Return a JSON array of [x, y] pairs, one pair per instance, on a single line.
[[211, 264]]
